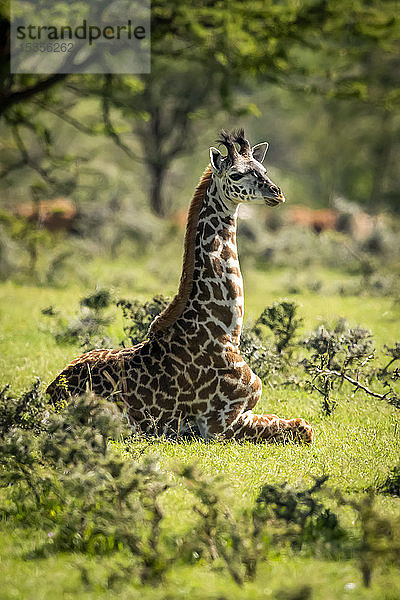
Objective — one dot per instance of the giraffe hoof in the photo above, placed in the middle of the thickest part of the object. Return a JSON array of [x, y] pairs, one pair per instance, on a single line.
[[308, 434], [303, 431]]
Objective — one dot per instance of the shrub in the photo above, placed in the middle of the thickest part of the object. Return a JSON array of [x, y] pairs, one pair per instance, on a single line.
[[88, 328], [297, 516], [26, 411], [337, 354], [345, 354], [237, 543], [281, 319], [69, 483], [391, 485], [138, 316], [265, 357], [259, 353], [379, 541]]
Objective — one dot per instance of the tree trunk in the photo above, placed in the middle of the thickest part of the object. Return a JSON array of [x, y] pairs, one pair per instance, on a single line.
[[381, 157], [156, 193]]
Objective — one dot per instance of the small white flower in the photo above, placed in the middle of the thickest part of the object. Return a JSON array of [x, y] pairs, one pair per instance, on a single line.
[[350, 586]]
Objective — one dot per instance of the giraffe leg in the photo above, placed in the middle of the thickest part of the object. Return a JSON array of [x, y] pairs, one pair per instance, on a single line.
[[271, 428], [258, 428], [230, 416]]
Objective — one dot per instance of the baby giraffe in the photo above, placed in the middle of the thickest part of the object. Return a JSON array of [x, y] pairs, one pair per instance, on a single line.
[[189, 374]]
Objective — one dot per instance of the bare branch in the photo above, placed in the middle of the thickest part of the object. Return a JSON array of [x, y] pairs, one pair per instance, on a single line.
[[70, 120], [28, 160], [351, 380], [17, 165], [110, 130], [19, 96]]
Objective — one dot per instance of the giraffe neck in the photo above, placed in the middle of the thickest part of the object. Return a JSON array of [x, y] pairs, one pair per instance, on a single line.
[[216, 300]]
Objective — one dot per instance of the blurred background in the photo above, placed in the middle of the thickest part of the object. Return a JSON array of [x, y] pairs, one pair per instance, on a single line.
[[97, 171]]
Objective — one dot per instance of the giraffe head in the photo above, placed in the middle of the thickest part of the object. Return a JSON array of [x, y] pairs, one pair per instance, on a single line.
[[240, 176]]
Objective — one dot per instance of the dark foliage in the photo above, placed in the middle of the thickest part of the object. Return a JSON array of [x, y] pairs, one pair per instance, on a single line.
[[344, 354], [236, 542], [391, 485], [70, 484], [67, 482], [281, 319], [88, 328], [388, 376], [100, 299], [303, 592], [26, 411], [298, 516], [138, 317], [267, 357], [379, 541], [337, 354], [259, 353]]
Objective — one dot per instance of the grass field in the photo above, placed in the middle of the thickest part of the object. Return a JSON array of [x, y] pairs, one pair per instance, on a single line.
[[356, 446]]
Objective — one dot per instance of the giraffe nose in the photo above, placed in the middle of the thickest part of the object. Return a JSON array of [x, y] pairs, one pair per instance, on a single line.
[[276, 195], [275, 190]]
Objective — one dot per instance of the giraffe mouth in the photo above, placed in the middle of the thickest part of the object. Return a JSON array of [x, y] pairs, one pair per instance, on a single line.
[[274, 201]]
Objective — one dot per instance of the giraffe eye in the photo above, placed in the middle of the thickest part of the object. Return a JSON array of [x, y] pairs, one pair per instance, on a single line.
[[237, 176]]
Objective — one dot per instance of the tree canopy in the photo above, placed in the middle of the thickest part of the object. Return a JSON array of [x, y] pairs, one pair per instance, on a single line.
[[209, 60]]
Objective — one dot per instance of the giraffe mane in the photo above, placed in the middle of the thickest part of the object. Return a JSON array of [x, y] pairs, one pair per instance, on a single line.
[[240, 138], [229, 140], [176, 307]]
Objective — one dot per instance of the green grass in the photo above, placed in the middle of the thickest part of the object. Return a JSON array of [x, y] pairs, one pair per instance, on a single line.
[[27, 350], [59, 577], [356, 446]]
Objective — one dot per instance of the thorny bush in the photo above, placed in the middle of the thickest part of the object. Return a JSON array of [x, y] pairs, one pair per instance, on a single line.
[[63, 479], [336, 355]]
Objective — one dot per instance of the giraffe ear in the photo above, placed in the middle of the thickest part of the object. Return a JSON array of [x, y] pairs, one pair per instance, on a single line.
[[259, 151], [216, 161]]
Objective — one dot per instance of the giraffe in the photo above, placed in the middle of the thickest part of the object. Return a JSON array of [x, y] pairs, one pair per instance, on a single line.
[[189, 376]]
